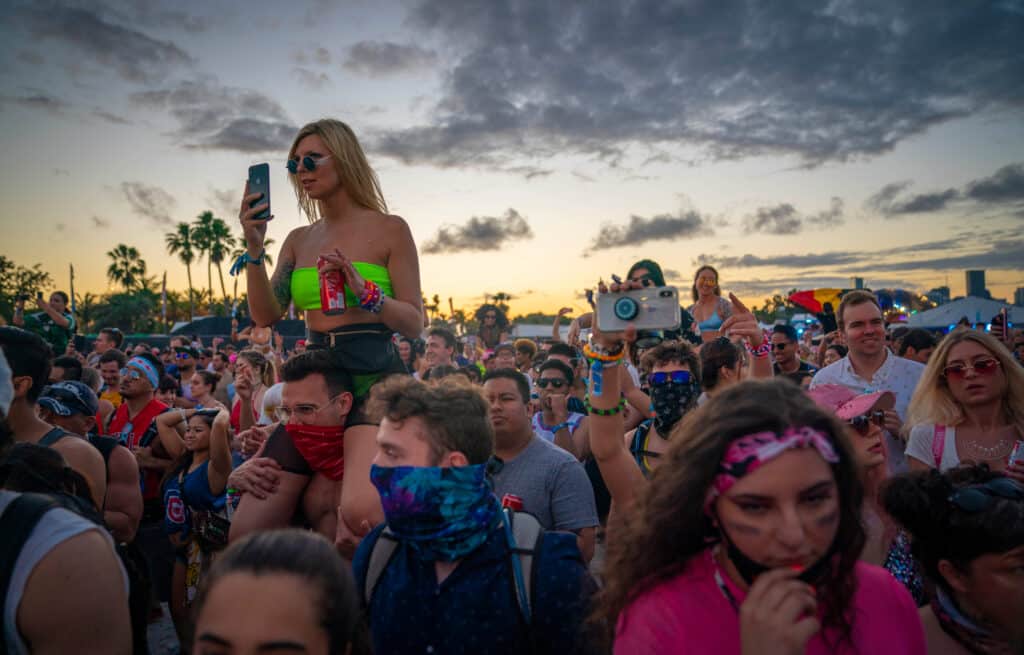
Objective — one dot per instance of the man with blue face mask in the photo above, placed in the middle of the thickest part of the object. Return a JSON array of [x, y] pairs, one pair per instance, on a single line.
[[447, 583]]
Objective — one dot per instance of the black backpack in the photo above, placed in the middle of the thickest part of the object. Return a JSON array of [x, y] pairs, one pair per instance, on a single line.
[[17, 522]]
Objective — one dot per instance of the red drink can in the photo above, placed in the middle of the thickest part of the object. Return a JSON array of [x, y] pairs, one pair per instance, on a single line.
[[512, 502], [1017, 454], [332, 289]]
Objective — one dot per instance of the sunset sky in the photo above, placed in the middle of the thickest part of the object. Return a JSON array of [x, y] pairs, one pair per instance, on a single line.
[[534, 146]]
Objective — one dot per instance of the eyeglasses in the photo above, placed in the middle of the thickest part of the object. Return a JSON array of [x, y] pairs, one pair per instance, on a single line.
[[544, 383], [302, 411], [780, 346], [863, 422], [985, 366], [704, 282], [675, 377], [181, 355], [979, 497], [131, 374], [308, 162]]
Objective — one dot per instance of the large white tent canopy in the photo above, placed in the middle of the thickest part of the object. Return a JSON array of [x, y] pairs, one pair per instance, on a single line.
[[977, 310]]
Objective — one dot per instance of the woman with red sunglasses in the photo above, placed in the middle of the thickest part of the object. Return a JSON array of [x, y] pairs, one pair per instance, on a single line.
[[968, 406]]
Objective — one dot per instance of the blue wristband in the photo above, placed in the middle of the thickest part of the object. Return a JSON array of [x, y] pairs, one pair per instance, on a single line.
[[244, 259]]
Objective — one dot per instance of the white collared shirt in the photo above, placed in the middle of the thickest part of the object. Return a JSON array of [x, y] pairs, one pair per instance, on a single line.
[[897, 375]]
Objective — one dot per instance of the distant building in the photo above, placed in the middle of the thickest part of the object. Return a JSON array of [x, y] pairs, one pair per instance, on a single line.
[[858, 283], [1018, 297], [976, 284]]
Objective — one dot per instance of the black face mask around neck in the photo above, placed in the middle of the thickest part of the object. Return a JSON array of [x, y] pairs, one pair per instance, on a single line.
[[749, 569]]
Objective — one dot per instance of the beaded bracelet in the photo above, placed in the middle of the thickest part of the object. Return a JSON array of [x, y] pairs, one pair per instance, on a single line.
[[372, 300], [604, 412], [607, 356], [760, 351]]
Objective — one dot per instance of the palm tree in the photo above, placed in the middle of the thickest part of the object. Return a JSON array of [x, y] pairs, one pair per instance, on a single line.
[[501, 301], [180, 243], [127, 267], [202, 238], [220, 245]]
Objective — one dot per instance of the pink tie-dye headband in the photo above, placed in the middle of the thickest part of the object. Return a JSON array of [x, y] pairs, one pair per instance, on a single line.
[[747, 454]]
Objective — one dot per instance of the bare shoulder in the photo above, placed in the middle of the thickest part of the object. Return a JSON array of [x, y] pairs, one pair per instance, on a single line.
[[394, 223]]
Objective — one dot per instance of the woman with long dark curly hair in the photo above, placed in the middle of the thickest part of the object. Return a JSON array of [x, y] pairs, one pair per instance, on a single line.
[[493, 326], [966, 529], [747, 541]]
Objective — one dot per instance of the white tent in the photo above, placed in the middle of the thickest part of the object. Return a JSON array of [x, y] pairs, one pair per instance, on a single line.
[[977, 310]]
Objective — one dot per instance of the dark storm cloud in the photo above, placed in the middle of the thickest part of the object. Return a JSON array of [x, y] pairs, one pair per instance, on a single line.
[[640, 230], [1005, 186], [480, 233], [386, 58], [819, 81], [888, 203], [136, 56], [150, 202], [784, 219], [214, 116]]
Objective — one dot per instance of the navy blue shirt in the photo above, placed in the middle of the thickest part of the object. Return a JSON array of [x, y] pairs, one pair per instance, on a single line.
[[475, 611]]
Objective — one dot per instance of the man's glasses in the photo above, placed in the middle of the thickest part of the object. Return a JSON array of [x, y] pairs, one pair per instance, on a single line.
[[863, 422], [554, 383], [308, 162], [780, 346], [675, 377], [182, 355], [979, 497], [986, 366], [130, 374], [304, 412]]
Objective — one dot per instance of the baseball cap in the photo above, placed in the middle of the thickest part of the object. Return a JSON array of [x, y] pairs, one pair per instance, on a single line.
[[69, 397], [847, 404]]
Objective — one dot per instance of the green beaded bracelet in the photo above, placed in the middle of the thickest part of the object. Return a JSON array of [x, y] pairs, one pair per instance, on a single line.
[[604, 412]]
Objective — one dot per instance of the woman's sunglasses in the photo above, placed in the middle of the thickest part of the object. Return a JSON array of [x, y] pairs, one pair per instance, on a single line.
[[979, 497], [309, 163], [555, 383], [675, 377], [862, 423], [986, 366]]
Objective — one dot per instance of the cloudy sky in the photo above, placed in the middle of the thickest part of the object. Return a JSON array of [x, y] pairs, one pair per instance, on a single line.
[[534, 146]]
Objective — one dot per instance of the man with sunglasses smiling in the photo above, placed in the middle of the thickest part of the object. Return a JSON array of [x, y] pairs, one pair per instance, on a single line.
[[786, 352], [555, 422]]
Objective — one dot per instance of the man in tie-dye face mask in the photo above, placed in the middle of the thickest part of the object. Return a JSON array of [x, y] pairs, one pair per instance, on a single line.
[[448, 570]]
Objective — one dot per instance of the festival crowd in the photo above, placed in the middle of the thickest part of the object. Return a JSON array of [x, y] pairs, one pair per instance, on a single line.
[[387, 486]]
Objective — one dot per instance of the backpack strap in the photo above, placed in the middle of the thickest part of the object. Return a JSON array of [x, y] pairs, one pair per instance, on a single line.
[[938, 444], [523, 528], [16, 524], [380, 556], [52, 437]]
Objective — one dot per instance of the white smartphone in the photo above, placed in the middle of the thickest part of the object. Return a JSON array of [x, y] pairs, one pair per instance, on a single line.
[[650, 308]]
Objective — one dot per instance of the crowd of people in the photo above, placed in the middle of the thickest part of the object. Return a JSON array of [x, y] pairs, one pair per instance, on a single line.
[[393, 487]]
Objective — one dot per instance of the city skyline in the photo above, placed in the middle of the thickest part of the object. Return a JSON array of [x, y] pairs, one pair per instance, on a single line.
[[534, 148]]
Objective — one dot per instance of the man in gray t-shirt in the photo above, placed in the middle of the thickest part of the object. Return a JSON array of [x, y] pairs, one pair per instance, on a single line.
[[551, 482]]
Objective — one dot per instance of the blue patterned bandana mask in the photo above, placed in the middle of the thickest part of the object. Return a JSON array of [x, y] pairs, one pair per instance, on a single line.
[[442, 513]]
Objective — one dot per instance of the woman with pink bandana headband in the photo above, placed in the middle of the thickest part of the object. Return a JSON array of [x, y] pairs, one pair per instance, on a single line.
[[748, 540]]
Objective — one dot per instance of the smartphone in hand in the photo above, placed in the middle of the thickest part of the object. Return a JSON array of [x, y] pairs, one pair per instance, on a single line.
[[259, 182]]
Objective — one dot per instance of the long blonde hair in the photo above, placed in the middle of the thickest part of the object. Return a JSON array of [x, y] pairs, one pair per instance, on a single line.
[[933, 402], [349, 161]]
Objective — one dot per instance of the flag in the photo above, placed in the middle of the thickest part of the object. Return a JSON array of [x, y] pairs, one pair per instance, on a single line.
[[72, 269], [813, 300], [163, 298]]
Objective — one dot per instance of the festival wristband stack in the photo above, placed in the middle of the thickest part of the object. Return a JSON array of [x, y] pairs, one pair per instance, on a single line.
[[244, 259], [595, 353], [760, 351], [372, 300], [604, 412]]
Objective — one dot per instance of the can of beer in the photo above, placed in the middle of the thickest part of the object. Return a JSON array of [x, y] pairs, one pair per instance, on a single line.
[[512, 502], [332, 289], [231, 501], [1017, 454]]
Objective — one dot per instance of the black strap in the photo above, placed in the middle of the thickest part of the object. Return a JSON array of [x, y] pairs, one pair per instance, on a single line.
[[16, 525], [52, 437]]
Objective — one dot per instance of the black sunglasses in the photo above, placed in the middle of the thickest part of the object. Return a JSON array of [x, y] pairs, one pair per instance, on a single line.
[[543, 383], [308, 162], [780, 346], [863, 422], [675, 377], [979, 497]]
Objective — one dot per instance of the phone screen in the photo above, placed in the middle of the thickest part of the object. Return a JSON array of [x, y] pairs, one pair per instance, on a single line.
[[259, 182]]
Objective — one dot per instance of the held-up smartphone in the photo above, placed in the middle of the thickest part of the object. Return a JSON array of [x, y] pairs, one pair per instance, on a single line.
[[39, 295], [259, 182], [650, 308]]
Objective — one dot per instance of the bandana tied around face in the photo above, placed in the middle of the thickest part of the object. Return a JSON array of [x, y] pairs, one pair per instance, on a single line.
[[671, 400], [747, 454], [322, 446], [442, 513]]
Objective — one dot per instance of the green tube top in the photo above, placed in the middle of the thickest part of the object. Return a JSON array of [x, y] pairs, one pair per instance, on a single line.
[[305, 285]]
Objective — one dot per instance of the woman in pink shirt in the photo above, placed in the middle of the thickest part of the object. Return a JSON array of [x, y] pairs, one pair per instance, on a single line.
[[747, 541]]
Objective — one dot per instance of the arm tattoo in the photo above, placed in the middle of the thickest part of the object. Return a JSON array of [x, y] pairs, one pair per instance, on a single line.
[[281, 283]]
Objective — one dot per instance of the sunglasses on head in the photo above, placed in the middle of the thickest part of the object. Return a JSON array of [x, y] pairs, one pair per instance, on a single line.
[[555, 383], [979, 497], [308, 162], [863, 422], [985, 366], [675, 377]]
